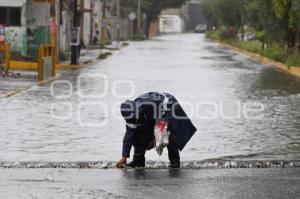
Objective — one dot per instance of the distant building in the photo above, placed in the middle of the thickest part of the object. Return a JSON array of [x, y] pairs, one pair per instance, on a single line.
[[173, 20], [30, 23], [27, 24], [171, 24]]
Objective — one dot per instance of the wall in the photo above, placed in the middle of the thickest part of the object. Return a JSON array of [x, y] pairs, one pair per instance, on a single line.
[[124, 28], [96, 21], [154, 29], [170, 24], [183, 13], [37, 24], [34, 30], [64, 32], [16, 36]]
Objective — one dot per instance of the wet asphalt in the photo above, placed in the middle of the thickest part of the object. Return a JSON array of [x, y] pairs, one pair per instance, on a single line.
[[152, 184], [60, 122], [77, 119]]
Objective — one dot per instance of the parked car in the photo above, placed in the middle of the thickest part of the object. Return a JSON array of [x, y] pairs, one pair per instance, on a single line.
[[201, 28]]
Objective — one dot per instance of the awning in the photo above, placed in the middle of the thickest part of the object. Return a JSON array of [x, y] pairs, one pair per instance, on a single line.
[[12, 3]]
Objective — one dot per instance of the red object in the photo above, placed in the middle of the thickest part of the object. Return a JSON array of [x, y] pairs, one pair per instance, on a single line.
[[161, 124], [2, 33], [53, 27], [2, 38]]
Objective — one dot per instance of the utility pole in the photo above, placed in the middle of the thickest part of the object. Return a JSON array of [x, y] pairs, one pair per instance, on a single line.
[[139, 17], [119, 22], [243, 19], [103, 28], [75, 43]]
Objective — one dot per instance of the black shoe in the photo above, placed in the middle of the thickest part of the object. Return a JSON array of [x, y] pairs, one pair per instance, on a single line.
[[174, 163], [138, 162]]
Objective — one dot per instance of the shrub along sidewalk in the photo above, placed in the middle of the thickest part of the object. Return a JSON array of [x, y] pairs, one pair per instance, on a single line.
[[275, 52]]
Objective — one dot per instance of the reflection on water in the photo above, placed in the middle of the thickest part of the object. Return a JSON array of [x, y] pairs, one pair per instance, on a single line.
[[178, 64], [143, 174]]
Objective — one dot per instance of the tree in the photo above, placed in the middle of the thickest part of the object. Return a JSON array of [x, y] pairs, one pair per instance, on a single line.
[[152, 8], [288, 11], [209, 10], [225, 13], [260, 15]]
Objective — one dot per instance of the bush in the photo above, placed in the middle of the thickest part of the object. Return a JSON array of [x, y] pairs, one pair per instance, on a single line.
[[213, 35], [62, 56], [104, 55], [274, 52], [223, 34], [139, 37], [293, 59], [253, 46]]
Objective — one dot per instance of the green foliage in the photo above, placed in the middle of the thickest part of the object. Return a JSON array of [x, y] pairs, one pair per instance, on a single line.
[[275, 53], [124, 44], [252, 46], [261, 35], [288, 11], [222, 34], [293, 59], [277, 22], [294, 19], [104, 55], [152, 8], [128, 6], [62, 56], [210, 13], [139, 37], [213, 35], [222, 13]]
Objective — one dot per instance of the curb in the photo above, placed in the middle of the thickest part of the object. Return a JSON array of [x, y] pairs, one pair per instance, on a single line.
[[30, 66], [293, 70], [40, 83], [208, 164], [28, 87], [16, 92]]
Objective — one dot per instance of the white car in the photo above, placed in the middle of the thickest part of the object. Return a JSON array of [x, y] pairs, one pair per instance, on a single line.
[[201, 28]]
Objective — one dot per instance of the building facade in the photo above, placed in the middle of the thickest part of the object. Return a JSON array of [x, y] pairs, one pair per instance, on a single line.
[[30, 23]]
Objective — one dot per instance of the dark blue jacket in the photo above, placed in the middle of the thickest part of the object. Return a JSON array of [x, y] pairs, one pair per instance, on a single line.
[[153, 106]]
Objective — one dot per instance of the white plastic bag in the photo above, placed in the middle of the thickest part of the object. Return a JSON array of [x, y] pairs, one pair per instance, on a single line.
[[162, 135]]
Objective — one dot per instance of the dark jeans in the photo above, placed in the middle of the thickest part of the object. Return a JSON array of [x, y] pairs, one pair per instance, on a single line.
[[145, 141]]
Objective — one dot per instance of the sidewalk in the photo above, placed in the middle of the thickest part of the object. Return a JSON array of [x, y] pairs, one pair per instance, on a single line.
[[12, 85], [27, 78]]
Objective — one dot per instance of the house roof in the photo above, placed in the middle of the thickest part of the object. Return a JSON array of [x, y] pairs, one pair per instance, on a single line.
[[12, 3]]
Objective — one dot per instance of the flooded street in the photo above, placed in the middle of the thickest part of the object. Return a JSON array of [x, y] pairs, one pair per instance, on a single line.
[[78, 119]]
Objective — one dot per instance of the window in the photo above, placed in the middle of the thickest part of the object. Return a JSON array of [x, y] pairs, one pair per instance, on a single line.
[[10, 16]]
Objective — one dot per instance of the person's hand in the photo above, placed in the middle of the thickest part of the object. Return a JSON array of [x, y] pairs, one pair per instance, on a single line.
[[121, 163]]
